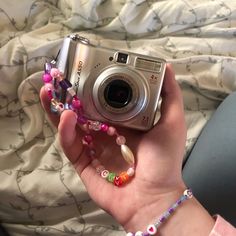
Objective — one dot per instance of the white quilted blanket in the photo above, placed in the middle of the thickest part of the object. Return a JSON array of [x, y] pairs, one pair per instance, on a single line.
[[40, 193]]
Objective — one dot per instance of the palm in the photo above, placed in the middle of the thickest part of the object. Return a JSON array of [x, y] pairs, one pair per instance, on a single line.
[[158, 157]]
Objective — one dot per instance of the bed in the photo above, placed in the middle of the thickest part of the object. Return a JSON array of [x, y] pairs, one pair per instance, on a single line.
[[40, 193]]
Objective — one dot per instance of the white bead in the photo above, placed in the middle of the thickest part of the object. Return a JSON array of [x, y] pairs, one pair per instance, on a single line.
[[127, 154], [129, 234], [151, 229], [130, 172], [139, 233], [105, 174], [60, 107], [188, 193]]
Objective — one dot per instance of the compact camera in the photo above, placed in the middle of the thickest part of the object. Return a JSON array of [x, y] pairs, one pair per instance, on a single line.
[[114, 86]]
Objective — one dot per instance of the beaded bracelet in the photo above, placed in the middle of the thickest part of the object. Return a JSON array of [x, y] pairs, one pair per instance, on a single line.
[[56, 85], [152, 228]]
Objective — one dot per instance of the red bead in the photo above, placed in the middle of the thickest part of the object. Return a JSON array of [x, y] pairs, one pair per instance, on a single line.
[[118, 181]]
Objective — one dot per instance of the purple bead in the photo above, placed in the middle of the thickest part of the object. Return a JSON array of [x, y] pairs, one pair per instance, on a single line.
[[162, 219], [47, 78], [47, 67], [82, 120], [146, 234], [171, 210], [179, 202], [65, 84]]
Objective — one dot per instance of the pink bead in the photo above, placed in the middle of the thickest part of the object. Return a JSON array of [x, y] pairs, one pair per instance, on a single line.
[[76, 104], [47, 78], [49, 88], [111, 131], [55, 73], [130, 171], [104, 127], [120, 140]]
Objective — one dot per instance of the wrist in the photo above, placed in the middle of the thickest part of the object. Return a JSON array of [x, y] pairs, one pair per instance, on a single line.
[[149, 212], [175, 223]]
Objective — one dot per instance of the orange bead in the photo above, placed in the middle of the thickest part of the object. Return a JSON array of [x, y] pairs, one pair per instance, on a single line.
[[124, 176]]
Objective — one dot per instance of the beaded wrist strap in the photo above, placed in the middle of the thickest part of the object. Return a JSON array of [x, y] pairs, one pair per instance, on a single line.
[[153, 228], [56, 85]]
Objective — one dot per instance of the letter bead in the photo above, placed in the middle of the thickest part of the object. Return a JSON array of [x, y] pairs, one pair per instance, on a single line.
[[105, 174]]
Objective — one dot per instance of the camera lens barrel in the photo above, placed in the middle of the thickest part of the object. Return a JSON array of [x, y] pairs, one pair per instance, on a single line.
[[118, 93]]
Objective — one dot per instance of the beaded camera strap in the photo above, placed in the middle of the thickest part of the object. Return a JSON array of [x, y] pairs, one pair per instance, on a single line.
[[56, 85], [153, 228]]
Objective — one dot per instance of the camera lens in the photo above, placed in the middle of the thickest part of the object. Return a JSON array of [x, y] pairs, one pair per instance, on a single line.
[[122, 58], [118, 93]]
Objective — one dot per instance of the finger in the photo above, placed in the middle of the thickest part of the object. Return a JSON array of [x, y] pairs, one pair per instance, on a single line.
[[46, 105], [69, 135], [172, 102]]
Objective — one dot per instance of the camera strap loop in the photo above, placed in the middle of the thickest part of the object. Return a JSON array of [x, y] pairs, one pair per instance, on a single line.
[[56, 85]]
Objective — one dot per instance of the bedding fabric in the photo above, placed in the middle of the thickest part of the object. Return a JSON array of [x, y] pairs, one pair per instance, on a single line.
[[40, 193]]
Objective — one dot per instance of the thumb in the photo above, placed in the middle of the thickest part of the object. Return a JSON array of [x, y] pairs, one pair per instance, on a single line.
[[172, 110], [69, 135]]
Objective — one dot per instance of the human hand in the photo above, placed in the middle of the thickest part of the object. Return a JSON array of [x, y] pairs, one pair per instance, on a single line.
[[159, 153]]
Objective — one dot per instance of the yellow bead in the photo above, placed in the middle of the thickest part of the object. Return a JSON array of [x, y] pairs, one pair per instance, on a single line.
[[127, 154]]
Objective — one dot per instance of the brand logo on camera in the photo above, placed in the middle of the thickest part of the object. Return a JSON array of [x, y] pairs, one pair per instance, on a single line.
[[79, 69]]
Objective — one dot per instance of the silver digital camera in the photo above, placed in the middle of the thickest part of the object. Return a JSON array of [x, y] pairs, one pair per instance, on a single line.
[[114, 86]]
